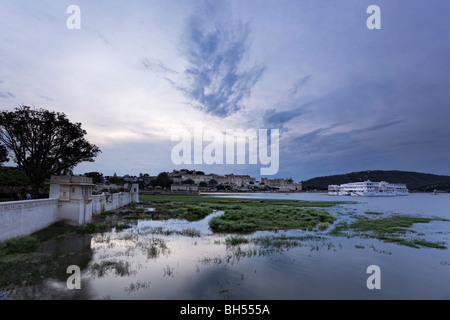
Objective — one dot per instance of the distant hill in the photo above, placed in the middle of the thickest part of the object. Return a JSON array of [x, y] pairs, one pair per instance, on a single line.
[[414, 180]]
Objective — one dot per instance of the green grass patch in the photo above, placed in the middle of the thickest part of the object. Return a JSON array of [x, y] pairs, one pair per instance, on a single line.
[[24, 269], [269, 217], [25, 244], [390, 229], [245, 215], [121, 227]]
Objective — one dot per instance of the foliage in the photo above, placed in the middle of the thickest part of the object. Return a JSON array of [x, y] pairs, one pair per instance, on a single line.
[[120, 268], [97, 177], [162, 180], [44, 143], [188, 181], [115, 180], [249, 219], [3, 154], [245, 215], [390, 229], [13, 177], [23, 244]]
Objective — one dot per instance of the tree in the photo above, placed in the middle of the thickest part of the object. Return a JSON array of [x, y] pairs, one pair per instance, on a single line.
[[44, 143], [115, 180], [3, 154], [213, 182], [188, 181], [97, 177], [162, 180], [12, 180]]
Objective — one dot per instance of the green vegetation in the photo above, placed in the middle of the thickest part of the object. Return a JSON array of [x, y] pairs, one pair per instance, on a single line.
[[391, 229], [249, 219], [29, 268], [120, 268], [12, 180], [30, 133], [61, 230], [245, 215], [235, 241], [21, 262], [16, 245]]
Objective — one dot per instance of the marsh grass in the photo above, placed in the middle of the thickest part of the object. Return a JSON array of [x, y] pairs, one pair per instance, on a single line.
[[234, 241], [24, 269], [241, 215], [188, 232], [373, 213], [24, 244], [168, 271], [239, 247], [120, 268], [390, 229], [136, 286], [156, 247], [120, 227], [270, 217]]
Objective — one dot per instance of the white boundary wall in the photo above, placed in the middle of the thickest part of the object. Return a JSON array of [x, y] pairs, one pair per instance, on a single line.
[[19, 218]]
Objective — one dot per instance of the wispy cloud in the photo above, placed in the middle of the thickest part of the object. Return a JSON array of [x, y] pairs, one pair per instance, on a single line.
[[324, 140], [156, 66], [6, 95], [274, 118], [218, 77], [299, 84]]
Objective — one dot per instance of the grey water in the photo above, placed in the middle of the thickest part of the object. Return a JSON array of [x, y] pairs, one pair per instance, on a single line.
[[176, 259]]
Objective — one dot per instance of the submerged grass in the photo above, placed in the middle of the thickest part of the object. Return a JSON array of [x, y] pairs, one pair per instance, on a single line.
[[101, 269], [390, 229], [22, 263]]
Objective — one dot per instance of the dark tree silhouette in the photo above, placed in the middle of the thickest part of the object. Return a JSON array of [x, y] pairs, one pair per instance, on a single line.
[[97, 177], [44, 143], [3, 154], [162, 180]]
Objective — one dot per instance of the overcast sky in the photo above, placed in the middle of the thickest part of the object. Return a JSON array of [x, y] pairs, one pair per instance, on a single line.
[[343, 97]]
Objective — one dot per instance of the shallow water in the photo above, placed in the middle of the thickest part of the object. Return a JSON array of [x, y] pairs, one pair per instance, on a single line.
[[184, 260]]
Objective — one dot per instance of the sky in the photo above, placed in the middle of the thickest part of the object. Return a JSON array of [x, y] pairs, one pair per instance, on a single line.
[[138, 74]]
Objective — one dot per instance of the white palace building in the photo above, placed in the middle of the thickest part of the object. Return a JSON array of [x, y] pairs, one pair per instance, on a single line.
[[368, 189]]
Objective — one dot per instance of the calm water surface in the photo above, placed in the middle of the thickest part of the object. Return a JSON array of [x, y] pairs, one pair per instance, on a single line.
[[184, 260]]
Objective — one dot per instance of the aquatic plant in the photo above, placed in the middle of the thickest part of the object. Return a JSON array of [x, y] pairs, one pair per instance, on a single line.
[[120, 268], [390, 229]]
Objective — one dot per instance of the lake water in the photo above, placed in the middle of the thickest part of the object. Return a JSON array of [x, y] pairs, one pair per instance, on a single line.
[[184, 260]]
